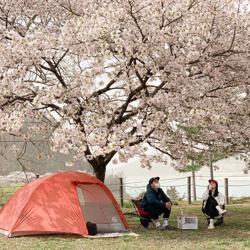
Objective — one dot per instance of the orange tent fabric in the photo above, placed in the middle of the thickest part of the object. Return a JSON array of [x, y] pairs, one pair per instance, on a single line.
[[52, 205]]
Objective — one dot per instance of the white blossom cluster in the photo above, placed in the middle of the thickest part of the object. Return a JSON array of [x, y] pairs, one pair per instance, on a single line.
[[120, 77]]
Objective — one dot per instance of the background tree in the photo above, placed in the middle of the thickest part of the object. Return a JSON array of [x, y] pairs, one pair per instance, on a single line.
[[106, 78], [197, 161], [193, 167]]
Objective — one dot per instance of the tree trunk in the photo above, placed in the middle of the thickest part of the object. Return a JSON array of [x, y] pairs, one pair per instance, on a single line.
[[211, 164], [100, 172], [194, 185], [99, 165]]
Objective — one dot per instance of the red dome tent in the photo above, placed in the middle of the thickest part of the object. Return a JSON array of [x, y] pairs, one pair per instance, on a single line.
[[61, 203]]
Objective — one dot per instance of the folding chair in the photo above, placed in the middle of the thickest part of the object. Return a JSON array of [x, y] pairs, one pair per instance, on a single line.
[[143, 215]]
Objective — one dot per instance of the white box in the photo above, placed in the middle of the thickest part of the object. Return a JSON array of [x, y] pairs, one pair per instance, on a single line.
[[187, 222]]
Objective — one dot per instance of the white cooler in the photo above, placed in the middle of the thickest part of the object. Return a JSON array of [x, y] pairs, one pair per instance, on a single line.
[[187, 222]]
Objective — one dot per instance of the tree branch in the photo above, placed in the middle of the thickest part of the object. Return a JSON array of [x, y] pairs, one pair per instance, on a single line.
[[52, 68]]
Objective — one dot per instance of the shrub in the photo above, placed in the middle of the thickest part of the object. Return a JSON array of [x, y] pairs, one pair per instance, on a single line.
[[174, 195]]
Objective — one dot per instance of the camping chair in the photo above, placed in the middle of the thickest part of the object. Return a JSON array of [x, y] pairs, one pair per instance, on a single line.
[[218, 220], [143, 215]]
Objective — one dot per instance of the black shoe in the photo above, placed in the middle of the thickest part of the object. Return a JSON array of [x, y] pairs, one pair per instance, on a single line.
[[144, 222]]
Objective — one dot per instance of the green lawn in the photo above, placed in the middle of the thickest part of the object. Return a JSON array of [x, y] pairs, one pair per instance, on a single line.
[[7, 190], [234, 235]]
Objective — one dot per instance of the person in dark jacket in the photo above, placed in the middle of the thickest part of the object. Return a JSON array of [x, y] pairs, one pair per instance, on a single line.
[[156, 202]]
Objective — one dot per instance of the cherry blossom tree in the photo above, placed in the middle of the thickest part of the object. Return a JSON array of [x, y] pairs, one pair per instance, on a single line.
[[117, 77]]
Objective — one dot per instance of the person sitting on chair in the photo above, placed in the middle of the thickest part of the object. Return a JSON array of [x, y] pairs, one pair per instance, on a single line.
[[156, 202], [213, 202]]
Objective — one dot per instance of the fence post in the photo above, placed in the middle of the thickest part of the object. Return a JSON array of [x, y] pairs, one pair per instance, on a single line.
[[189, 189], [121, 191], [194, 185], [226, 190]]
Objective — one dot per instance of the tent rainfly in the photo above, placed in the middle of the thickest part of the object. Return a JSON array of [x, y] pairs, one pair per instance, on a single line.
[[62, 203]]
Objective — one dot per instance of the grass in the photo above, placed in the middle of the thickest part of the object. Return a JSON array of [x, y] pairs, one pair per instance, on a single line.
[[243, 200], [234, 235], [7, 190]]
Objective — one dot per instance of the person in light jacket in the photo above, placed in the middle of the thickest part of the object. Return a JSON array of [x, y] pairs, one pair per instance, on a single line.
[[213, 202], [156, 202]]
